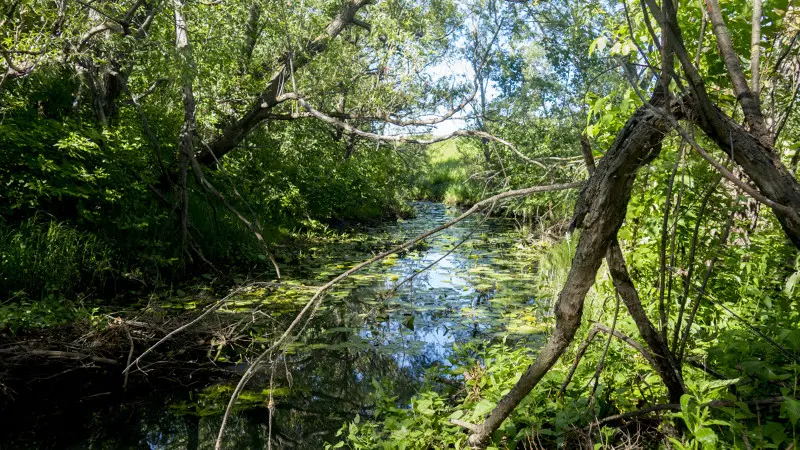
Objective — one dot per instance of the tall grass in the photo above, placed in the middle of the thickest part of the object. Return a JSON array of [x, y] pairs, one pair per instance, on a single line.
[[39, 257], [446, 177], [554, 261]]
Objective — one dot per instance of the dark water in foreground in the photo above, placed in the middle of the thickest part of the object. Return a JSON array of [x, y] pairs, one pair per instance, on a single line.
[[364, 336]]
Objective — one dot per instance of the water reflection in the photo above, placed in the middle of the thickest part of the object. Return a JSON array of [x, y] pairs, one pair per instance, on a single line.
[[362, 336]]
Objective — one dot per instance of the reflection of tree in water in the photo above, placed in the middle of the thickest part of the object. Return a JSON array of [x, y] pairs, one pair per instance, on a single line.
[[325, 378]]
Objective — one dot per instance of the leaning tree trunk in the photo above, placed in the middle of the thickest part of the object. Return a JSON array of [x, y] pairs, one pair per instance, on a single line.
[[760, 162], [664, 361], [600, 211], [752, 150]]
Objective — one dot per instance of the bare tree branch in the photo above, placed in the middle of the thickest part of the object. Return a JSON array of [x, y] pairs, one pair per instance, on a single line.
[[314, 302], [751, 105], [410, 139], [687, 280], [723, 241], [790, 212]]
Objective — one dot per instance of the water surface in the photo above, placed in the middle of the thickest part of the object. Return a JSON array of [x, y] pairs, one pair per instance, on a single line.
[[367, 334]]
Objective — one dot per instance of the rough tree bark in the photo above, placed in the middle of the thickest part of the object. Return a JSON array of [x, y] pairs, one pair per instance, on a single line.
[[759, 161], [599, 212], [663, 360], [749, 149], [751, 104], [259, 111]]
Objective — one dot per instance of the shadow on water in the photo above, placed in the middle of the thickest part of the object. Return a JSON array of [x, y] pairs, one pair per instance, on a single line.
[[365, 335]]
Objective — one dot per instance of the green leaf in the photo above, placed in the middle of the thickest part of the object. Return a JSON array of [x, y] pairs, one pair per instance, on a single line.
[[716, 384], [706, 436], [791, 410], [483, 407], [409, 322], [685, 398]]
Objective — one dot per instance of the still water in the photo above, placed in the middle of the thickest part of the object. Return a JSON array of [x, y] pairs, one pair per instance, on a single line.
[[366, 334]]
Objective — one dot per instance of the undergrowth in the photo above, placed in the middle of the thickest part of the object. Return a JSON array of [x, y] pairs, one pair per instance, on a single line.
[[43, 256], [726, 410], [446, 175]]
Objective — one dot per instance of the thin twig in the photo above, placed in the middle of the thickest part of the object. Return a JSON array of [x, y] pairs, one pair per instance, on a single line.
[[662, 250], [130, 356], [446, 254], [709, 270], [601, 363], [176, 331], [316, 299], [687, 280]]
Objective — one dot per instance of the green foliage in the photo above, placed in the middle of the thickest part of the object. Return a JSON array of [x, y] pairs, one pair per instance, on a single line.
[[447, 173], [58, 159], [49, 311], [91, 186], [487, 373], [44, 257], [698, 419]]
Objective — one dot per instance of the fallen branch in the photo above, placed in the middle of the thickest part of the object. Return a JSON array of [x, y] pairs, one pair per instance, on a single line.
[[445, 255], [316, 299], [63, 355], [254, 228], [176, 331]]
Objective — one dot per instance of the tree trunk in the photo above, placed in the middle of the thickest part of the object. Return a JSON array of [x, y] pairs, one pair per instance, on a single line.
[[233, 134], [751, 150], [600, 211], [759, 162], [664, 362]]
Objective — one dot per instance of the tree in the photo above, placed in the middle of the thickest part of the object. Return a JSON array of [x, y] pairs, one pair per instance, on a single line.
[[200, 90], [600, 208]]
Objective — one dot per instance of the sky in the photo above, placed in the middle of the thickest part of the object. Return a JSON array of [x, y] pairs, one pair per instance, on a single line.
[[462, 71]]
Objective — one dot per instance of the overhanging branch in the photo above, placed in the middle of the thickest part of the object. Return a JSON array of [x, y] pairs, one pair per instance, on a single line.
[[411, 139]]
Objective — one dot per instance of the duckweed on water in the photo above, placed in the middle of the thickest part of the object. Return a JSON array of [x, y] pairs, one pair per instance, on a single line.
[[365, 330]]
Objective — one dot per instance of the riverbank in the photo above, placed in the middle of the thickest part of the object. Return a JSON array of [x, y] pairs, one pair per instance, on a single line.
[[367, 336]]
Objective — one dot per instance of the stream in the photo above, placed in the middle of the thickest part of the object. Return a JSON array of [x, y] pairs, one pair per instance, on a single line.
[[365, 336]]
